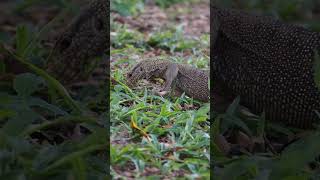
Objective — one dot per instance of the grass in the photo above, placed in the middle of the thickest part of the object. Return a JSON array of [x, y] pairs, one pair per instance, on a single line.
[[179, 139]]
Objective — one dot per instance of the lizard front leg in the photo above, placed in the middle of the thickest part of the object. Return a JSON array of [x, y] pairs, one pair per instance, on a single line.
[[169, 76]]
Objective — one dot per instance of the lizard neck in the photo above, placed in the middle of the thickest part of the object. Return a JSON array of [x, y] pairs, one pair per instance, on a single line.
[[159, 69]]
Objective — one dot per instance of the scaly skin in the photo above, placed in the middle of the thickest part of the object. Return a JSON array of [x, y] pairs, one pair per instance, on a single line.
[[178, 77], [84, 39], [268, 63]]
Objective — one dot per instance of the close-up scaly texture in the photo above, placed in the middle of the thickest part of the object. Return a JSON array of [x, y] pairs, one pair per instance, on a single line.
[[268, 63], [84, 39]]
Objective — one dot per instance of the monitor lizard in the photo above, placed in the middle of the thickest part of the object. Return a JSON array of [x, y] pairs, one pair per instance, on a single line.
[[178, 78], [84, 39], [268, 63]]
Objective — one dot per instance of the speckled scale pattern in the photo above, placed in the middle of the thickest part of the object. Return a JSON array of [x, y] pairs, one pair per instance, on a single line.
[[145, 69], [192, 81], [84, 39], [269, 64]]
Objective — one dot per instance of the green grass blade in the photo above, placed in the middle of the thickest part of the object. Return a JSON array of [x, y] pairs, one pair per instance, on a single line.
[[61, 120], [74, 155], [50, 80]]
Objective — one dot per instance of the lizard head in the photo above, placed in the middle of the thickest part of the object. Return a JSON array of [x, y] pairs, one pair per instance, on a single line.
[[82, 41], [146, 69], [137, 73]]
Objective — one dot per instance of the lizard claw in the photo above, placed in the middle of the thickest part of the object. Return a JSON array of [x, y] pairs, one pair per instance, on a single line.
[[162, 93], [159, 93]]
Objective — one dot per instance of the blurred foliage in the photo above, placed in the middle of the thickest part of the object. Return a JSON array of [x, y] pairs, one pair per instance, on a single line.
[[168, 3], [121, 36], [133, 7], [171, 39], [127, 7], [39, 118]]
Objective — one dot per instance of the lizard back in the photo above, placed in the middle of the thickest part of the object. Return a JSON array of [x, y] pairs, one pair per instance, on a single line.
[[194, 82]]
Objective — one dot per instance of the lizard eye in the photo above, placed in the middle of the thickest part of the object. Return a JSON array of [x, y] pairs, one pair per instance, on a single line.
[[129, 75], [140, 69]]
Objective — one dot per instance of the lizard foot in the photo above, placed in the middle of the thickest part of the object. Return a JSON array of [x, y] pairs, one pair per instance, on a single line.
[[162, 93], [159, 92]]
